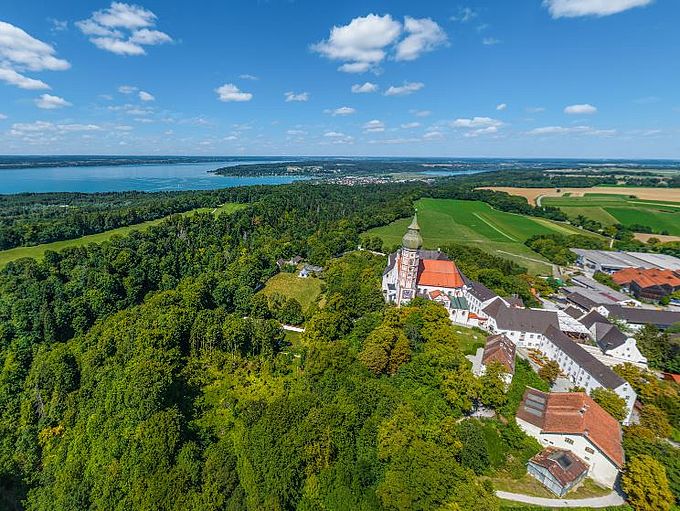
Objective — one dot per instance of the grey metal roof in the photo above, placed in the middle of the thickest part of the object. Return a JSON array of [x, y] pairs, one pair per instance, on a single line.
[[492, 309], [613, 259], [523, 320], [581, 300], [608, 336], [573, 312], [596, 369], [432, 254], [391, 261], [593, 317], [480, 291], [660, 318]]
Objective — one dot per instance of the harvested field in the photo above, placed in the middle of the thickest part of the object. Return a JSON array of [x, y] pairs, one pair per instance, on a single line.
[[661, 237], [657, 194]]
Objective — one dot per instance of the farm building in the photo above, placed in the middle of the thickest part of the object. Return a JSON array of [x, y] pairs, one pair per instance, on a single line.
[[652, 284], [608, 261]]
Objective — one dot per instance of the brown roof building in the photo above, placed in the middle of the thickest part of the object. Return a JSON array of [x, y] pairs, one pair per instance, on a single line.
[[650, 283], [559, 470], [499, 348]]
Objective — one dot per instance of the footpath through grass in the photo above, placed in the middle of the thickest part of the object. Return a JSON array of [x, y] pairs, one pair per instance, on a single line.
[[38, 251], [444, 221]]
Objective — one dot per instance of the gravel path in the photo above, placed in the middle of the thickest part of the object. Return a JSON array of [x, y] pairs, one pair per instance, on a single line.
[[613, 499]]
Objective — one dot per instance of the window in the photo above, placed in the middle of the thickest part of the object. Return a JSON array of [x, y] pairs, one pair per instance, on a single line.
[[589, 450], [570, 441]]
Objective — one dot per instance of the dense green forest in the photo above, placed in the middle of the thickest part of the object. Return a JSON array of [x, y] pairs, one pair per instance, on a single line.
[[145, 373], [31, 219], [148, 372]]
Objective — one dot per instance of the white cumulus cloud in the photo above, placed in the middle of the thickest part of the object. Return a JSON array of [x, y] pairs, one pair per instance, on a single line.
[[343, 110], [123, 29], [230, 92], [433, 135], [476, 122], [489, 130], [3, 117], [582, 109], [20, 52], [364, 88], [49, 102], [502, 106], [574, 130], [366, 41], [300, 96], [403, 90], [145, 96], [374, 126], [423, 35], [410, 125], [576, 8]]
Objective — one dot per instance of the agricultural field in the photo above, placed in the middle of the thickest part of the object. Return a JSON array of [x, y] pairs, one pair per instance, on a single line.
[[38, 251], [661, 216], [304, 290], [535, 195], [444, 221]]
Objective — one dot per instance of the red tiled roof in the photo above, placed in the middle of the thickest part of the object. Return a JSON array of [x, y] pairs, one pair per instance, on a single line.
[[435, 294], [646, 277], [672, 377], [573, 413], [437, 273]]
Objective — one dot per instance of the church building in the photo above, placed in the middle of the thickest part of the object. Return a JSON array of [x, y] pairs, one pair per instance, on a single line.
[[412, 271]]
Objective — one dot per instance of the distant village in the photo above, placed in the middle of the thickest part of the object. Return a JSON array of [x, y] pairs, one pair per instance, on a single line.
[[586, 330]]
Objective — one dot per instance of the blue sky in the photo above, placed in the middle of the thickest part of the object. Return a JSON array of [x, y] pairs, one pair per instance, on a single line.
[[529, 78]]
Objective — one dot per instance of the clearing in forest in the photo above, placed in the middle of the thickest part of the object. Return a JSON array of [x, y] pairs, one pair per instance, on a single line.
[[444, 221], [304, 290]]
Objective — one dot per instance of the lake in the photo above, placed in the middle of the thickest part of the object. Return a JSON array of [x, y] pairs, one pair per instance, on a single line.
[[141, 177]]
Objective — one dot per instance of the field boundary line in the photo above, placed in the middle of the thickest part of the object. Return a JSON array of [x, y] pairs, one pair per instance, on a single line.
[[657, 204], [495, 228]]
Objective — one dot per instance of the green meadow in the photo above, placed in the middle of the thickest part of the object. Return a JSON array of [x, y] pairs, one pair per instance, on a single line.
[[611, 209], [444, 221], [38, 251], [304, 290]]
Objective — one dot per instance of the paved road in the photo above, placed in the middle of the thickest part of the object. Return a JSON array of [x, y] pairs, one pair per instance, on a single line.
[[613, 499]]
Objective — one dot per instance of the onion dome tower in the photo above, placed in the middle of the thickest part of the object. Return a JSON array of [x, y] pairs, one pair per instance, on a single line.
[[408, 267]]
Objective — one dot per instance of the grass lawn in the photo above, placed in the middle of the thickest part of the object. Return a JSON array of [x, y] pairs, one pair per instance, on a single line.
[[469, 340], [37, 251], [305, 291], [611, 209], [445, 221], [528, 485]]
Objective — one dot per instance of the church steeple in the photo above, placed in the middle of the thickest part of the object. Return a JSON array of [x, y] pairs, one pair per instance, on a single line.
[[412, 239], [409, 260]]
